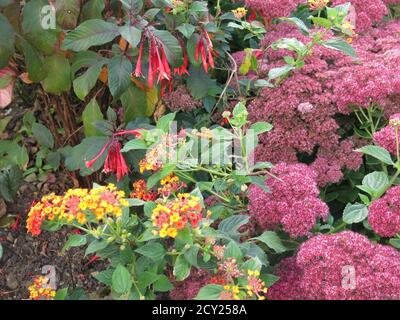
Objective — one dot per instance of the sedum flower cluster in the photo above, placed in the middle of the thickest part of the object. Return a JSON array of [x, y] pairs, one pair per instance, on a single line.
[[343, 266], [292, 203]]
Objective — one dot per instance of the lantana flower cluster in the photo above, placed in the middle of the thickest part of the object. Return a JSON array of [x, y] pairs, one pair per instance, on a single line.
[[41, 290], [342, 266], [162, 152], [171, 216], [168, 185], [305, 109], [77, 206], [384, 213], [254, 287], [293, 202], [237, 284]]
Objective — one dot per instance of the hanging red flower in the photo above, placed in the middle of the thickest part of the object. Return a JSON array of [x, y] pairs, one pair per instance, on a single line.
[[205, 51], [115, 161], [158, 63], [183, 69]]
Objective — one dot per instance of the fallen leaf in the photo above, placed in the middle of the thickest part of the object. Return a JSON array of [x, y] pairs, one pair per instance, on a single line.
[[7, 93]]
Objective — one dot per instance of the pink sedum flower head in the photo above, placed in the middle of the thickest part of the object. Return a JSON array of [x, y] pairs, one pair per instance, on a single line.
[[271, 9], [342, 266], [384, 213], [190, 287], [332, 84], [386, 137], [293, 201]]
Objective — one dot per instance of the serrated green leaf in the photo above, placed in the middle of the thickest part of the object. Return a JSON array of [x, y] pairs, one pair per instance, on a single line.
[[272, 240], [43, 135], [90, 33], [121, 280]]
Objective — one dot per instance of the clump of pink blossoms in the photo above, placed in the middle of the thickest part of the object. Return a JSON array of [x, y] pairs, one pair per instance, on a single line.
[[190, 287], [271, 9], [293, 201], [343, 266], [384, 213], [304, 108], [386, 137]]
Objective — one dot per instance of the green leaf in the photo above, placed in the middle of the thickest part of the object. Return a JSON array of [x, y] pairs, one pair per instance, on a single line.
[[95, 246], [7, 38], [181, 268], [272, 240], [90, 33], [135, 144], [90, 115], [291, 44], [119, 75], [355, 213], [269, 279], [378, 153], [261, 127], [34, 62], [199, 83], [233, 250], [131, 34], [260, 181], [1, 251], [138, 103], [210, 292], [43, 135], [152, 250], [395, 243], [299, 23], [53, 159], [162, 284], [133, 6], [104, 276], [10, 181], [58, 74], [186, 29], [191, 255], [37, 25], [376, 181], [74, 240], [164, 123], [231, 225], [84, 83], [93, 9], [279, 71], [121, 280], [161, 174], [340, 45], [146, 278], [326, 23], [61, 294]]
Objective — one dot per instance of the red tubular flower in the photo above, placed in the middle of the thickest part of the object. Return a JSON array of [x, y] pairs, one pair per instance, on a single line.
[[138, 70], [206, 52], [115, 161], [252, 16], [158, 63]]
